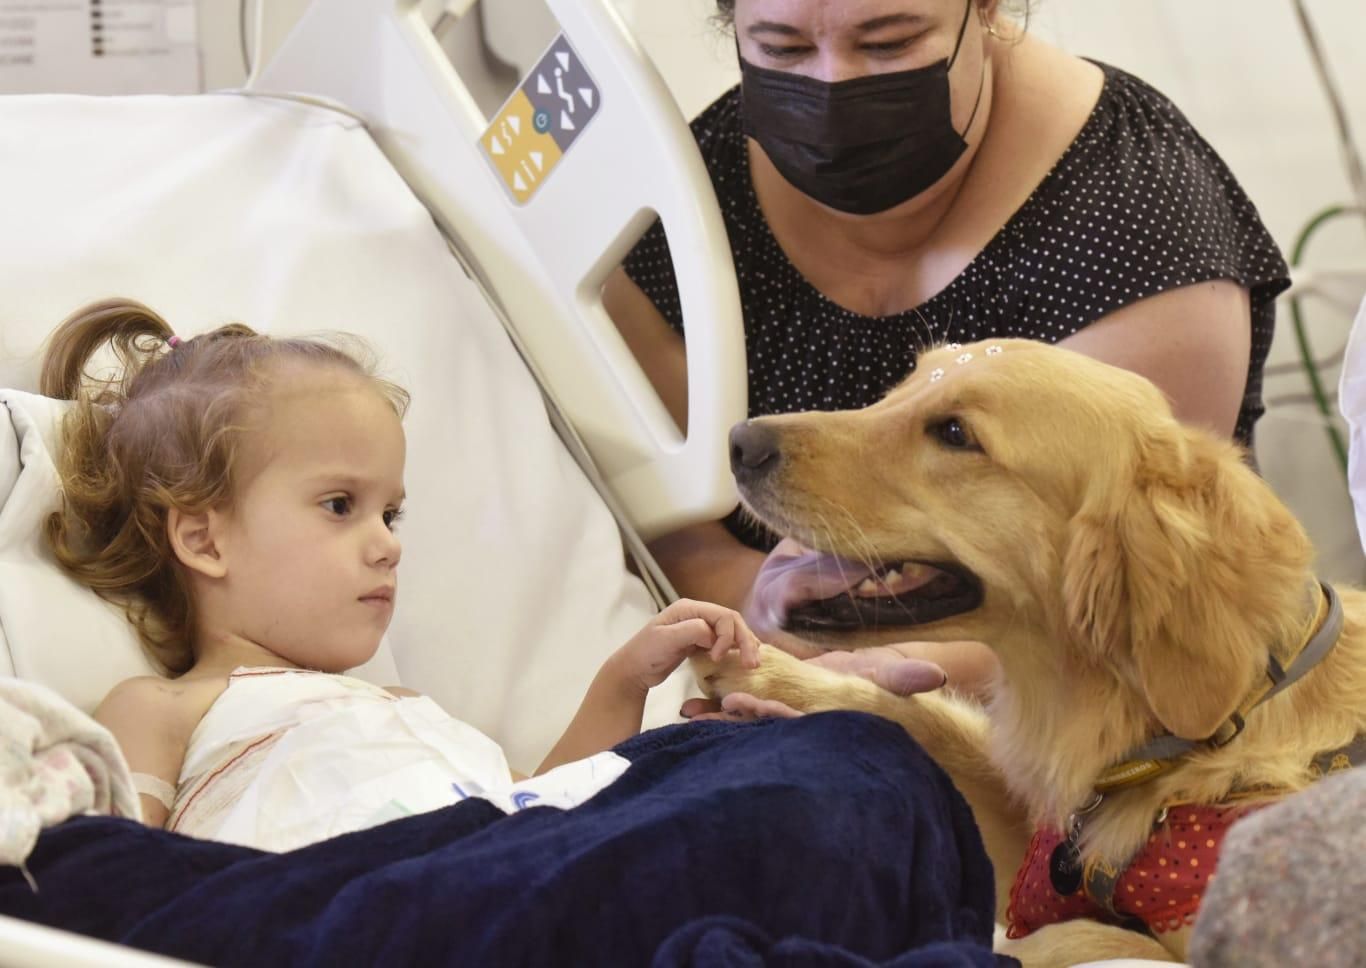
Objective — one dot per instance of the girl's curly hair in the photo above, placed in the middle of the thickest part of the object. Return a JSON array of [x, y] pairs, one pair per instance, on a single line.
[[161, 433]]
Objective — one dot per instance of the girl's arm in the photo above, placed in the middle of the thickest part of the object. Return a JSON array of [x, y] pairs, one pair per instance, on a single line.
[[611, 712], [144, 716], [615, 702]]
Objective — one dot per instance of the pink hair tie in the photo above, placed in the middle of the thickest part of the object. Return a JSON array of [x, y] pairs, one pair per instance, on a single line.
[[173, 341]]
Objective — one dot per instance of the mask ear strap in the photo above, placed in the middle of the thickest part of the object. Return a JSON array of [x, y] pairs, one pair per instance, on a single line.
[[958, 45], [981, 84]]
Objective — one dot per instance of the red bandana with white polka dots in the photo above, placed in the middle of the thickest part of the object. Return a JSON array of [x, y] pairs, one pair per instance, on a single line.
[[1162, 886]]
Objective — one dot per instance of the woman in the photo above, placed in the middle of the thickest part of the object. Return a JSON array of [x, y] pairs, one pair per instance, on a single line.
[[899, 172]]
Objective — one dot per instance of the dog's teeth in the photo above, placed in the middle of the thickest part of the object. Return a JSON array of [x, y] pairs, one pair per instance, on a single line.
[[868, 587], [891, 578]]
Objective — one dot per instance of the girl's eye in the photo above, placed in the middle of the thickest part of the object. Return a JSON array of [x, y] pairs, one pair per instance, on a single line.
[[340, 506], [392, 516]]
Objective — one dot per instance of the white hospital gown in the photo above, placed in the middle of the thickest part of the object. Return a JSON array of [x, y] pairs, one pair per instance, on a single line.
[[287, 757]]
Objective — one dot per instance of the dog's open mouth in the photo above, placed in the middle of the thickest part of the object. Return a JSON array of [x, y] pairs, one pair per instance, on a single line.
[[902, 594]]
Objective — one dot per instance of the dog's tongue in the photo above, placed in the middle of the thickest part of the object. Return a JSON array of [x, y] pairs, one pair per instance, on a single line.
[[816, 575], [788, 581]]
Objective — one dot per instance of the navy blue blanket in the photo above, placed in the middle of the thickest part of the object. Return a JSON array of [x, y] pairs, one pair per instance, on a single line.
[[829, 840]]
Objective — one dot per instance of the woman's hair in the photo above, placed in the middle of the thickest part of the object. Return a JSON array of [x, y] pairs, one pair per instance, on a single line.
[[1019, 9], [161, 433]]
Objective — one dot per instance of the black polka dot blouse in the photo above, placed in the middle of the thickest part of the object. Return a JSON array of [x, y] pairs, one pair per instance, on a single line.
[[1137, 205]]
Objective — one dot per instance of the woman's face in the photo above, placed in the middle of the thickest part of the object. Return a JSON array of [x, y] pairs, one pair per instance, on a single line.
[[881, 145], [834, 40]]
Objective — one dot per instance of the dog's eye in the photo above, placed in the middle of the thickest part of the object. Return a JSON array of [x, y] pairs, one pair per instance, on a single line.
[[952, 433]]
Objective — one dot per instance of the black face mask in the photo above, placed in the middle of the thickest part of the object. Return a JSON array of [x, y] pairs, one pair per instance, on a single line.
[[863, 145]]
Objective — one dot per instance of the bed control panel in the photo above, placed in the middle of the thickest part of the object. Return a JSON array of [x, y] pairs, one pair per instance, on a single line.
[[539, 123]]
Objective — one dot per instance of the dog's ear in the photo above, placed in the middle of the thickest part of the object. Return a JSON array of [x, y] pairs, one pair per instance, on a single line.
[[1171, 576]]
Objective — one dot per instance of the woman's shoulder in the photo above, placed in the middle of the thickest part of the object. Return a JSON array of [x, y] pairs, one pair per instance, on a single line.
[[1135, 136], [1139, 176], [1128, 97]]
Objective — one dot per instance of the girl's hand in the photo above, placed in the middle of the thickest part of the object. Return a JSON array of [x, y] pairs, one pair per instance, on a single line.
[[682, 629]]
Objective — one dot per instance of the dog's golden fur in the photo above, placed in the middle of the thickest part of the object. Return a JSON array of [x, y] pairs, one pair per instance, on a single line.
[[1136, 575]]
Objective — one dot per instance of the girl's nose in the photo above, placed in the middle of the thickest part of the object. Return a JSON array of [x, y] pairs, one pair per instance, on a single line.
[[387, 549]]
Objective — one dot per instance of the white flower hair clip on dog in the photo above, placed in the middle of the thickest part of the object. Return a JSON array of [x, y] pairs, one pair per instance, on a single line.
[[937, 374]]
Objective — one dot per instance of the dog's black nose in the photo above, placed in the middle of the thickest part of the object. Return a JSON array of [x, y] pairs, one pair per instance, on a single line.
[[753, 450]]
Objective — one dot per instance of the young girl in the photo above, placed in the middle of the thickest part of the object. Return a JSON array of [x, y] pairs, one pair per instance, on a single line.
[[237, 494]]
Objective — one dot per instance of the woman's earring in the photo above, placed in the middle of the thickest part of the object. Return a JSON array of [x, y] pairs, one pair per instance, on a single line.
[[987, 17]]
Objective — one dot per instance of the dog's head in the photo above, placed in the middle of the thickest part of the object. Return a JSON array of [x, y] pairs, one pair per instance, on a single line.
[[1063, 510]]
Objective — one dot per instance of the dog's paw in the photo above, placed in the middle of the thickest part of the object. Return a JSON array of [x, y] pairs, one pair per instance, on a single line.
[[719, 678], [780, 676]]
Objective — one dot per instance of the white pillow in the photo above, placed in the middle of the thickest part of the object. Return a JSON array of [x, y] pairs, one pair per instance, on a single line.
[[513, 587]]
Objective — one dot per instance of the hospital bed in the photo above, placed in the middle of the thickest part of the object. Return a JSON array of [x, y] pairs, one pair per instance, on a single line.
[[357, 186]]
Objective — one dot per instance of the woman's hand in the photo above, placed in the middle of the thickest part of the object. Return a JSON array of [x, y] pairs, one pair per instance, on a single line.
[[969, 668]]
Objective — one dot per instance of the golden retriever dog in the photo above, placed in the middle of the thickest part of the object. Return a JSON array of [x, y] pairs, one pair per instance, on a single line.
[[1135, 579]]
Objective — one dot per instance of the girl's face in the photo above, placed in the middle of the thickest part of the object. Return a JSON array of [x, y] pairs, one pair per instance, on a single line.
[[834, 40], [309, 544]]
